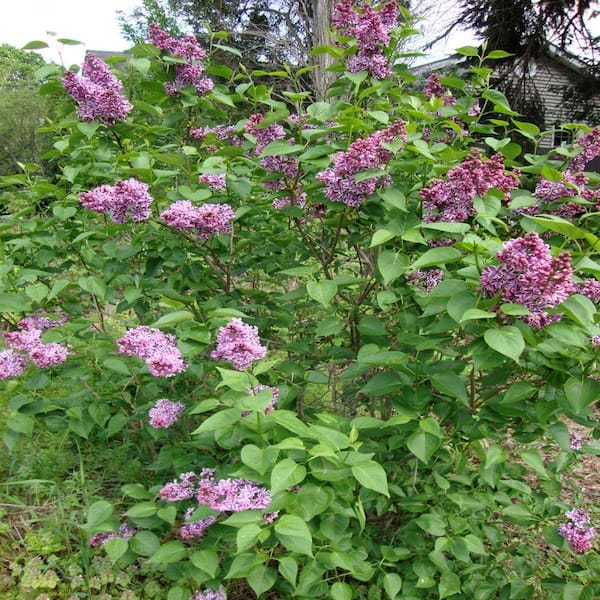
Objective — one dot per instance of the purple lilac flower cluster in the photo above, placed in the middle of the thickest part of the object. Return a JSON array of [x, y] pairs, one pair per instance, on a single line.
[[230, 495], [205, 220], [371, 28], [434, 89], [191, 530], [425, 281], [189, 73], [590, 148], [239, 344], [210, 595], [125, 532], [97, 92], [577, 531], [181, 489], [452, 200], [363, 154], [590, 288], [215, 181], [164, 413], [595, 340], [572, 185], [575, 441], [275, 396], [157, 349], [26, 345], [129, 199], [530, 276]]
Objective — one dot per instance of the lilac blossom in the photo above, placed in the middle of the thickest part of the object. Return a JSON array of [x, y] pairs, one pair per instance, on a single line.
[[215, 181], [530, 276], [157, 349], [371, 28], [362, 155], [205, 220], [590, 288], [575, 441], [181, 489], [97, 92], [125, 533], [231, 495], [590, 148], [595, 339], [164, 413], [123, 201], [239, 344], [210, 595], [11, 364], [434, 89], [48, 355], [452, 200], [190, 73], [577, 531], [572, 185], [191, 530], [425, 281], [270, 517]]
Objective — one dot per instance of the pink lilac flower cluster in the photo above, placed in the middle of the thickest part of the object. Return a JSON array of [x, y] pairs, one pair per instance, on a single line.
[[191, 530], [210, 595], [189, 73], [215, 181], [573, 184], [362, 155], [230, 495], [159, 350], [590, 148], [575, 441], [125, 532], [577, 530], [270, 517], [434, 89], [26, 345], [590, 288], [530, 276], [275, 396], [371, 29], [452, 200], [239, 344], [205, 220], [425, 281], [97, 92], [164, 413], [123, 201], [180, 489], [595, 340]]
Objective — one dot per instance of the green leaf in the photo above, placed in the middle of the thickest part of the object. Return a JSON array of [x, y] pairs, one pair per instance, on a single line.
[[142, 510], [432, 524], [115, 548], [247, 537], [170, 552], [98, 513], [144, 543], [224, 419], [392, 584], [280, 147], [499, 101], [261, 579], [391, 265], [294, 534], [468, 50], [207, 560], [423, 445], [239, 381], [449, 585], [259, 459], [495, 54], [173, 318], [581, 392], [35, 45], [451, 384], [505, 340], [288, 567], [322, 291], [436, 257], [341, 591], [14, 303], [136, 491], [381, 236], [285, 474], [371, 475]]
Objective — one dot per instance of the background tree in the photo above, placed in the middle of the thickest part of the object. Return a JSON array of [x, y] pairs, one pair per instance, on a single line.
[[22, 109]]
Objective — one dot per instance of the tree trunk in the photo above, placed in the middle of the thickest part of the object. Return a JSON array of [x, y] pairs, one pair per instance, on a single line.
[[321, 24]]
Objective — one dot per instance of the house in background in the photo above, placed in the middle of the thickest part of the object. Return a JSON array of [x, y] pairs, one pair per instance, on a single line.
[[555, 88]]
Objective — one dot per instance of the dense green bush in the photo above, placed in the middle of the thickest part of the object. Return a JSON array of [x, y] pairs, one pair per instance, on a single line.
[[343, 337]]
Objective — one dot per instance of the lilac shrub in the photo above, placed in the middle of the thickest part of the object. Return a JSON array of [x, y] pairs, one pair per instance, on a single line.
[[239, 344]]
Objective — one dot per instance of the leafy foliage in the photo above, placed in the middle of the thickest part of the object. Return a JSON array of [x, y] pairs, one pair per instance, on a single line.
[[386, 415]]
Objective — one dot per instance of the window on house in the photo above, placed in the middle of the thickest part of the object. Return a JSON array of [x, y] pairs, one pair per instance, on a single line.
[[559, 136]]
